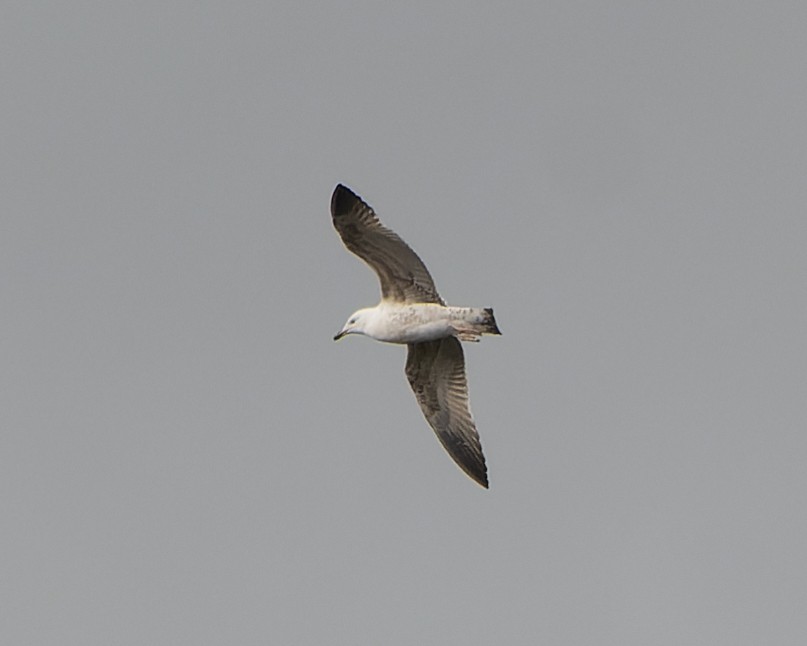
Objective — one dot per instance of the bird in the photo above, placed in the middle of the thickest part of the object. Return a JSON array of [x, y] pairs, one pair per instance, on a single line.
[[411, 312]]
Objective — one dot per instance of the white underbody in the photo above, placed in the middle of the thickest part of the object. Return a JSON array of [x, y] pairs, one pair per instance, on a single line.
[[393, 322]]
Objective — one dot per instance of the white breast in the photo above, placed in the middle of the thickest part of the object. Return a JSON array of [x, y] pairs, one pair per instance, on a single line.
[[409, 323]]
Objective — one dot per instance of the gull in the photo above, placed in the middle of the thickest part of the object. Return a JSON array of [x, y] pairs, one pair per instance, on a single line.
[[411, 312]]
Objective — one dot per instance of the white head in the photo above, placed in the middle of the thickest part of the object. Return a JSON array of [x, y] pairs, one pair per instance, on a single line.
[[356, 324]]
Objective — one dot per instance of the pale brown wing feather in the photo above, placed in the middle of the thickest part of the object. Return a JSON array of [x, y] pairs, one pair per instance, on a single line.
[[436, 372], [402, 274]]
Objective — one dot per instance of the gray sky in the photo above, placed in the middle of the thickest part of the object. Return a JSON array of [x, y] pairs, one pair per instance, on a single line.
[[187, 458]]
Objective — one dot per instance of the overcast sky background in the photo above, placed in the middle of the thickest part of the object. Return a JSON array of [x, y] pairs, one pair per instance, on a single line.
[[186, 457]]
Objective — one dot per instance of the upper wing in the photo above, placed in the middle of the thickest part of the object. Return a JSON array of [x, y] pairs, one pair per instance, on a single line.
[[436, 372], [403, 275]]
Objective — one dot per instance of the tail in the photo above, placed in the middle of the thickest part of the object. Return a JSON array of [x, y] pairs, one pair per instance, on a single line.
[[489, 322]]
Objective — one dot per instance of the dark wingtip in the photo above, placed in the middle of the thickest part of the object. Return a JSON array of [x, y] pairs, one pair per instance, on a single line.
[[478, 472], [342, 200], [482, 475]]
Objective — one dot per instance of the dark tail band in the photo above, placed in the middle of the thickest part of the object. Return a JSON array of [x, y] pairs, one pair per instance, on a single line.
[[490, 322]]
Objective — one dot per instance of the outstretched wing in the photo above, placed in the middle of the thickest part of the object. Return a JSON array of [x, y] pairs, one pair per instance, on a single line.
[[403, 275], [436, 372]]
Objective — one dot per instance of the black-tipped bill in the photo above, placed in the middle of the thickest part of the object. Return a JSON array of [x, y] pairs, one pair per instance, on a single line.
[[339, 335]]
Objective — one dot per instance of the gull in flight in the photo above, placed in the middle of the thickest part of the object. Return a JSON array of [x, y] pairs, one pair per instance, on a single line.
[[411, 312]]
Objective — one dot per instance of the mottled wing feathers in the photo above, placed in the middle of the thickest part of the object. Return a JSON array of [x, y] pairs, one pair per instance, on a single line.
[[436, 372], [402, 274]]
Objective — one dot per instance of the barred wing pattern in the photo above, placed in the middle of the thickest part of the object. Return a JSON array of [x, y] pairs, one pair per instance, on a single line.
[[402, 274], [436, 372]]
